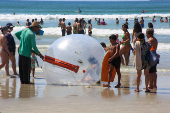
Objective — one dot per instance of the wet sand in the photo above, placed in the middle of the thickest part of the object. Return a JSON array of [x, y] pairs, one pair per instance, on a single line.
[[43, 98]]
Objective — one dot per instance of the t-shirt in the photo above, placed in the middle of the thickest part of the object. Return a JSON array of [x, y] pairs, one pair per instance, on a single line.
[[27, 42]]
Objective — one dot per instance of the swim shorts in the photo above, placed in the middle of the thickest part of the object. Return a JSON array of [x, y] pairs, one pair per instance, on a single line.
[[153, 69], [81, 32], [142, 25], [63, 32], [116, 62]]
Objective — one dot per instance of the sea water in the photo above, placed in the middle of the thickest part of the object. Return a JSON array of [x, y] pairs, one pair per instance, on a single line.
[[51, 11]]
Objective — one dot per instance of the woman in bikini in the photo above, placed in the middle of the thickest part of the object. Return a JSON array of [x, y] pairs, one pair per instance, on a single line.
[[89, 28], [4, 52], [75, 26], [125, 49]]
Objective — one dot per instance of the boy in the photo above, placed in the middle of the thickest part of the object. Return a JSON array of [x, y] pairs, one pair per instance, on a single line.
[[104, 46], [33, 60], [114, 61], [152, 71], [68, 29]]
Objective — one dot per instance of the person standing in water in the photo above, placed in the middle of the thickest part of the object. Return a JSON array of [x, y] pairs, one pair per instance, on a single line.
[[75, 30], [80, 27], [126, 46], [69, 29], [27, 42], [4, 52], [63, 27], [89, 28], [11, 47], [142, 22]]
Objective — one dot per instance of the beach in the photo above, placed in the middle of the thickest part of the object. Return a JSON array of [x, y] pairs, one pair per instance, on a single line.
[[42, 97]]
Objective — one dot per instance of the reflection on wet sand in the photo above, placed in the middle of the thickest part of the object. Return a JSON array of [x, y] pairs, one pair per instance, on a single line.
[[11, 88]]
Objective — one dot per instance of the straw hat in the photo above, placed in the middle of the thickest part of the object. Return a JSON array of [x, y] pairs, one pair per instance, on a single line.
[[35, 24]]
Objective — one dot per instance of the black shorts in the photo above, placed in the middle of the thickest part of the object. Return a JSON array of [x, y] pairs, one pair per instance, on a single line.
[[116, 62], [153, 69]]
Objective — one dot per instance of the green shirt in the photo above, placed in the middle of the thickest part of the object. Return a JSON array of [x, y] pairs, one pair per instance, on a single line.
[[27, 42]]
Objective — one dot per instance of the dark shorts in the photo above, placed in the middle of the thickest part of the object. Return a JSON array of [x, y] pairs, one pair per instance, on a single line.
[[81, 31], [63, 32], [90, 32], [116, 62], [153, 69], [68, 32]]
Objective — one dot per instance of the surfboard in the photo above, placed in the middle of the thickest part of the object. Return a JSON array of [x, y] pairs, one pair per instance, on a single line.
[[105, 69]]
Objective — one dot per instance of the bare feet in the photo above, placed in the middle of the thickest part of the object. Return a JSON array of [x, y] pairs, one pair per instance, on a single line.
[[118, 86], [106, 85]]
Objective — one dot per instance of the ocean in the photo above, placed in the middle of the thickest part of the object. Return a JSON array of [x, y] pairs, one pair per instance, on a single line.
[[51, 11]]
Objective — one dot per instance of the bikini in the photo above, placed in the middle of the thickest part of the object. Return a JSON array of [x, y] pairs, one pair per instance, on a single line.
[[2, 49], [123, 37], [74, 30]]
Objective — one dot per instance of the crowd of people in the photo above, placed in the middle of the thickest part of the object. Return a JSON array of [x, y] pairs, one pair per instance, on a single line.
[[141, 51], [27, 42]]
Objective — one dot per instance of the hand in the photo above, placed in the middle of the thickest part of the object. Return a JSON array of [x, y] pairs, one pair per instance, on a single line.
[[10, 54], [158, 55], [109, 59], [41, 56]]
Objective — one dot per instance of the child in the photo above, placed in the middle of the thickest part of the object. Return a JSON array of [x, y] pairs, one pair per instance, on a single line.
[[33, 60], [68, 29], [117, 38], [104, 46], [114, 61]]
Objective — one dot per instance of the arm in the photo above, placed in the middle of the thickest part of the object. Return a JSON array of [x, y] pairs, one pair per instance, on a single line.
[[37, 62], [133, 34], [35, 47], [18, 34]]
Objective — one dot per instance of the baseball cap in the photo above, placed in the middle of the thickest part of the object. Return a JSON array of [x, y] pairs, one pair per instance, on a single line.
[[9, 25]]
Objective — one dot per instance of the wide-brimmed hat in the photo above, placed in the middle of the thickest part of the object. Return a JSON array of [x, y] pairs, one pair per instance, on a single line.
[[35, 24], [9, 25], [4, 28]]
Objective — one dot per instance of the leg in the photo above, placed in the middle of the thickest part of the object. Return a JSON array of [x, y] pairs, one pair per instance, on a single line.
[[21, 70], [33, 70], [26, 69], [138, 79], [119, 78], [123, 50], [150, 81], [109, 76], [127, 57], [13, 61], [122, 60], [4, 60], [146, 73], [7, 66], [154, 80]]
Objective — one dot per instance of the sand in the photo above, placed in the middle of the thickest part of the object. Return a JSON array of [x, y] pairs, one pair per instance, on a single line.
[[43, 98]]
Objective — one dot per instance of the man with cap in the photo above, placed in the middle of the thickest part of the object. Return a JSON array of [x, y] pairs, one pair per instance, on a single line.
[[11, 47], [27, 42]]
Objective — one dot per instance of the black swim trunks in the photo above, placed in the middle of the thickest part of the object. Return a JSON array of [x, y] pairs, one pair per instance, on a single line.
[[63, 32], [68, 32], [153, 69], [116, 62]]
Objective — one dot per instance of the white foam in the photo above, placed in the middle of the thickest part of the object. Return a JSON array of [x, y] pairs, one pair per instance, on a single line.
[[57, 16], [53, 31]]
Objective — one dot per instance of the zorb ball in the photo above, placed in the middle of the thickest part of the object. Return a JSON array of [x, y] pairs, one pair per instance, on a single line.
[[73, 60]]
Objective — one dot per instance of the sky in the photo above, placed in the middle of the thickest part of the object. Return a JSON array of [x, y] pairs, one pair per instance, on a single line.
[[84, 0]]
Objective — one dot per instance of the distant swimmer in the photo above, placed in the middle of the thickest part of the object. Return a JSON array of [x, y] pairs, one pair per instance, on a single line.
[[161, 20], [153, 19], [166, 19], [79, 11], [103, 22], [117, 21], [143, 11]]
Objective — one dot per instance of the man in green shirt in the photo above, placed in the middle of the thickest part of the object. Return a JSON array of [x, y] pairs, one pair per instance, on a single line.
[[27, 42]]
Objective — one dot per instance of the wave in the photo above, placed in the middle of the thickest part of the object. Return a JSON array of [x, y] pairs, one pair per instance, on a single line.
[[72, 17], [53, 31]]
